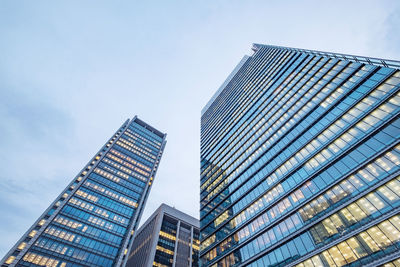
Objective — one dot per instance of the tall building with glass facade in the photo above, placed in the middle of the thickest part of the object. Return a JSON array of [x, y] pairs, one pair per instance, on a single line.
[[93, 221], [169, 238], [300, 162]]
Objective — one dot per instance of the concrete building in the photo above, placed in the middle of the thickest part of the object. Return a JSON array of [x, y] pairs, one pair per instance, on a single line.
[[300, 162], [93, 221], [168, 238]]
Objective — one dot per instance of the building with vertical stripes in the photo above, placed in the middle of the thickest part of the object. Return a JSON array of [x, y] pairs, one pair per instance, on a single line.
[[93, 221], [300, 162], [168, 238]]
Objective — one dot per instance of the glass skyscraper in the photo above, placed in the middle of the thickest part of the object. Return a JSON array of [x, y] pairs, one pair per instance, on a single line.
[[300, 162], [169, 238], [93, 221]]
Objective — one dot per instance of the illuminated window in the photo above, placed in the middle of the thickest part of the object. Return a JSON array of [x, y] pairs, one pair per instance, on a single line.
[[10, 259], [22, 245], [32, 233]]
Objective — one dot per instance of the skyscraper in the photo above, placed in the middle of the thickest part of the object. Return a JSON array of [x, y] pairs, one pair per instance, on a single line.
[[92, 222], [168, 238], [300, 161]]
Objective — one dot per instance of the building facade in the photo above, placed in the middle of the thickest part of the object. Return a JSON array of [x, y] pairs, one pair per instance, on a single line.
[[300, 159], [168, 238], [93, 221]]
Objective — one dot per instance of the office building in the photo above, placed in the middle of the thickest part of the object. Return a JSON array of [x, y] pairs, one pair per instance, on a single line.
[[300, 161], [93, 221], [168, 238]]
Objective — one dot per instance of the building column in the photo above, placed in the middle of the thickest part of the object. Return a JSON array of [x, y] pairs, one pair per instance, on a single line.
[[176, 243], [191, 246]]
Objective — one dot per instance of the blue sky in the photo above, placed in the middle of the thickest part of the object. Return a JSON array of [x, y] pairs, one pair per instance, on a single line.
[[71, 72]]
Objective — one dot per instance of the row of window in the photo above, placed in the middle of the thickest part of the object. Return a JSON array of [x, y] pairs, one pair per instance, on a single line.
[[87, 229], [105, 202], [113, 170], [139, 145], [74, 239], [288, 93], [144, 143], [341, 143], [253, 131], [262, 71], [99, 211], [370, 174], [135, 149], [236, 92], [49, 246], [246, 101], [128, 161], [242, 178], [134, 177], [91, 219], [346, 139], [238, 182], [41, 260], [122, 148], [384, 237], [129, 184], [263, 143], [113, 194], [365, 209], [352, 186], [218, 109], [266, 108], [206, 171], [352, 113], [134, 171], [166, 243], [116, 184], [145, 134]]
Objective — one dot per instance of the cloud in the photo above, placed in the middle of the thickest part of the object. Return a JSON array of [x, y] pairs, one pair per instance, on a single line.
[[34, 133], [28, 117], [392, 37]]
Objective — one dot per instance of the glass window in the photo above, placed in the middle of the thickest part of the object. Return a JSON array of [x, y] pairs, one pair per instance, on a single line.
[[338, 222], [395, 221], [376, 200], [347, 186], [317, 261], [329, 227], [327, 257], [367, 176], [356, 182], [300, 247], [347, 216], [337, 256], [292, 248], [308, 263], [391, 232], [347, 252], [366, 206], [366, 238], [379, 237], [356, 211], [307, 241], [356, 247]]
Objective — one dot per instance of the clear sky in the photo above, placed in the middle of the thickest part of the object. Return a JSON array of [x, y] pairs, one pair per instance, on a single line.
[[71, 72]]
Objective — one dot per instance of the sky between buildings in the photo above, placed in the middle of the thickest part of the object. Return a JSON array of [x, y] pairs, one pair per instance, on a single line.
[[71, 72]]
